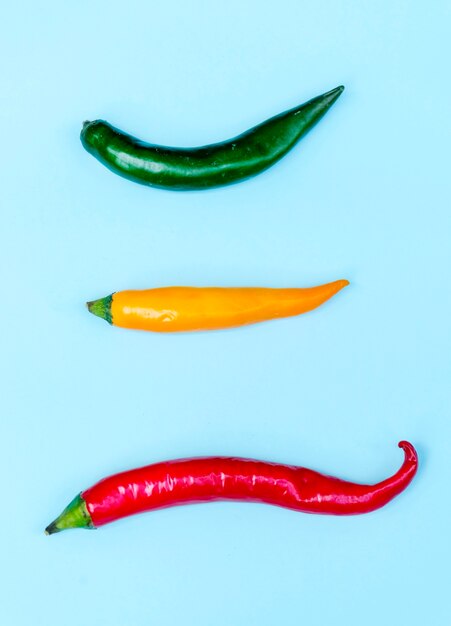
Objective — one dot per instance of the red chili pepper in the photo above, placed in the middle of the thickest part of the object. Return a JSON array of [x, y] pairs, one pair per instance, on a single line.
[[228, 478]]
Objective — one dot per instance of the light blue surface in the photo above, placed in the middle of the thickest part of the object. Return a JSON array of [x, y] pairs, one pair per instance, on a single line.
[[365, 197]]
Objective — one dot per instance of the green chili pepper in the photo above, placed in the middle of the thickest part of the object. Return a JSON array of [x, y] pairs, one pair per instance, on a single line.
[[208, 166]]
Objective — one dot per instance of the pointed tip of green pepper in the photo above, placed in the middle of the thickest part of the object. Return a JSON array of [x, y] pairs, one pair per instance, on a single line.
[[332, 95]]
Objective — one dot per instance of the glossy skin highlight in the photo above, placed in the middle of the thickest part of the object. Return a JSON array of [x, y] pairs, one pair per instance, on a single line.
[[181, 309], [208, 166], [207, 479]]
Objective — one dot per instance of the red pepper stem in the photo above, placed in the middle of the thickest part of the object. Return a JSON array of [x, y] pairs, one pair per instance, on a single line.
[[75, 515]]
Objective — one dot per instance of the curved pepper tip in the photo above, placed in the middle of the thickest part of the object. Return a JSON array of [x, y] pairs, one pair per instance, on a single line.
[[409, 451], [340, 284]]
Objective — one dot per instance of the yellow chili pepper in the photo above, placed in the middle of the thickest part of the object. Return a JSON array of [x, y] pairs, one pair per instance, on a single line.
[[176, 309]]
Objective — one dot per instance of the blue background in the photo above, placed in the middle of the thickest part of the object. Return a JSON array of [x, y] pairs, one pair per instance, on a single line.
[[365, 197]]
